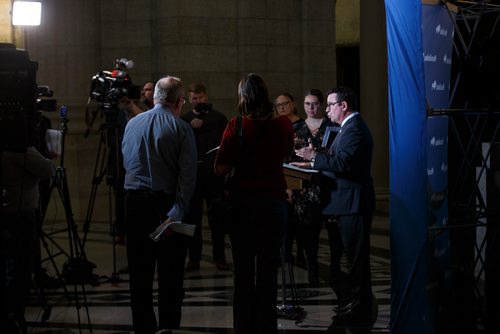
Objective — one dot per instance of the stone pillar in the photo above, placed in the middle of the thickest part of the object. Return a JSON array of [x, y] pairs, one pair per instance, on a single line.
[[374, 91]]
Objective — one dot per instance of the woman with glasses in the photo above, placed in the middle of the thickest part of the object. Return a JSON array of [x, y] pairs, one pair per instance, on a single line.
[[284, 105], [307, 207]]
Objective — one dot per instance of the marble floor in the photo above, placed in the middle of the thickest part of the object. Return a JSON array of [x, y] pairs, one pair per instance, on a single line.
[[103, 306]]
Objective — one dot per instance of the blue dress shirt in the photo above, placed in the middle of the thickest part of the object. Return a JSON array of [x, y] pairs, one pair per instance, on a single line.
[[159, 154]]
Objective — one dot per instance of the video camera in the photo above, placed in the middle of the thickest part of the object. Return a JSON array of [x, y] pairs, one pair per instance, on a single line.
[[108, 88], [20, 98], [202, 109], [43, 104]]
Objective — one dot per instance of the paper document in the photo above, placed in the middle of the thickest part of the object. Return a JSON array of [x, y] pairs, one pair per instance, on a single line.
[[53, 140], [176, 226], [303, 170], [212, 150]]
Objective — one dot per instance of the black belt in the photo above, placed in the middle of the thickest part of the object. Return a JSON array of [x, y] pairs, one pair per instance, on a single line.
[[147, 192], [144, 191]]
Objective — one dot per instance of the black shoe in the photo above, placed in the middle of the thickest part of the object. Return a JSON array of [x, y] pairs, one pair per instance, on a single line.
[[339, 309], [313, 277], [44, 281]]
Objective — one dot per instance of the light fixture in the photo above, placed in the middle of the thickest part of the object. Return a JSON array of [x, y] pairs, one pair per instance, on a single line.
[[26, 13]]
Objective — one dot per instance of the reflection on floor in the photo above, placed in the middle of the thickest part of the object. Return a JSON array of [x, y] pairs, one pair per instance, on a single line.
[[207, 308]]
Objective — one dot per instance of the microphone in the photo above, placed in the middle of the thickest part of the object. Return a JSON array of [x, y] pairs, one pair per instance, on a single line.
[[124, 63], [63, 112]]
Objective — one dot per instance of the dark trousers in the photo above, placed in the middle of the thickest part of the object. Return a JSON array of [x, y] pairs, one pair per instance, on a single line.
[[208, 189], [256, 237], [335, 245], [17, 251], [144, 212], [356, 284], [309, 234]]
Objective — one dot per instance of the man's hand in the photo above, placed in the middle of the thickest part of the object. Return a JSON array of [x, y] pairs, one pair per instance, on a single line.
[[306, 153], [305, 165], [169, 231], [129, 106], [196, 123]]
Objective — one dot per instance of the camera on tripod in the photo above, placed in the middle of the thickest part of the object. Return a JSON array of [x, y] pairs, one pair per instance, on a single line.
[[109, 87], [202, 109], [42, 103]]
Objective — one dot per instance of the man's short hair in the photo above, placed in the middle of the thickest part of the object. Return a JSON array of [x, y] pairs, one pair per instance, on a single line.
[[197, 88], [345, 94], [167, 90]]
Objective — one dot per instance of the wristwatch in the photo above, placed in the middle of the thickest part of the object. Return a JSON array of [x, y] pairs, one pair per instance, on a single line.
[[313, 159]]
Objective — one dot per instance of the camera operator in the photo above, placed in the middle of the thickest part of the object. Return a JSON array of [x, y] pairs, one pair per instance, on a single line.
[[208, 126], [147, 93], [21, 173], [131, 107], [134, 107]]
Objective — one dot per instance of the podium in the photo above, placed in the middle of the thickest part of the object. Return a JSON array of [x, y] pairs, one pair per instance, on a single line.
[[295, 176]]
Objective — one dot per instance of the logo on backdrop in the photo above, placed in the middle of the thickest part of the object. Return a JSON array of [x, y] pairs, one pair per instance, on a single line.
[[438, 86], [430, 58], [441, 31], [437, 141]]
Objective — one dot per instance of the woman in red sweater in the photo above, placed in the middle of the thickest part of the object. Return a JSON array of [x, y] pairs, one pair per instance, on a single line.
[[253, 148]]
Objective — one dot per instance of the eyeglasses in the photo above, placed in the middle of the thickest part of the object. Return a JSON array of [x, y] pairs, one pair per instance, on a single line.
[[332, 104], [282, 104], [313, 104]]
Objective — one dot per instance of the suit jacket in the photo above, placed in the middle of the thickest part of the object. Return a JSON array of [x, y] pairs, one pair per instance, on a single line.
[[346, 170]]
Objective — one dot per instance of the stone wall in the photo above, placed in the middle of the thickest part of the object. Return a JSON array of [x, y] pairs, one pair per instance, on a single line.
[[291, 43]]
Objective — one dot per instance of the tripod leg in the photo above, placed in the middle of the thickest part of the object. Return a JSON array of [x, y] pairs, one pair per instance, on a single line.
[[50, 257], [47, 309], [283, 273]]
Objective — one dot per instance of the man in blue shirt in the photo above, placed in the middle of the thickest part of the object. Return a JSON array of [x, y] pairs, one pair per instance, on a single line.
[[159, 156]]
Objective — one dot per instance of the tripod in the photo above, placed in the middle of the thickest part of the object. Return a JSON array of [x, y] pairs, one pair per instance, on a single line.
[[77, 266], [288, 310], [107, 164]]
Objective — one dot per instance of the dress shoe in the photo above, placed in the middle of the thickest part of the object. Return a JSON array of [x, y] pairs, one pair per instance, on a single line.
[[313, 277], [193, 265], [339, 309]]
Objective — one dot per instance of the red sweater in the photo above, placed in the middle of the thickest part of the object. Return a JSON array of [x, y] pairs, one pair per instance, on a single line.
[[258, 160]]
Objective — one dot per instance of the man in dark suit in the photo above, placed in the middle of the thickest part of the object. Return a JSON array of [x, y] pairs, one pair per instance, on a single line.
[[346, 165]]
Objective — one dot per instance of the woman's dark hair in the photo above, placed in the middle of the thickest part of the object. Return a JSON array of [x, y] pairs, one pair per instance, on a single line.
[[254, 97], [315, 92]]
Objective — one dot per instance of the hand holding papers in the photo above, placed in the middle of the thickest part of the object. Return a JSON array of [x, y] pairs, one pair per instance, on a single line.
[[168, 228]]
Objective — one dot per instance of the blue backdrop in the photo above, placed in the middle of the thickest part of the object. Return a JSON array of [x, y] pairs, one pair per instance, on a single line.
[[408, 162], [419, 64]]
